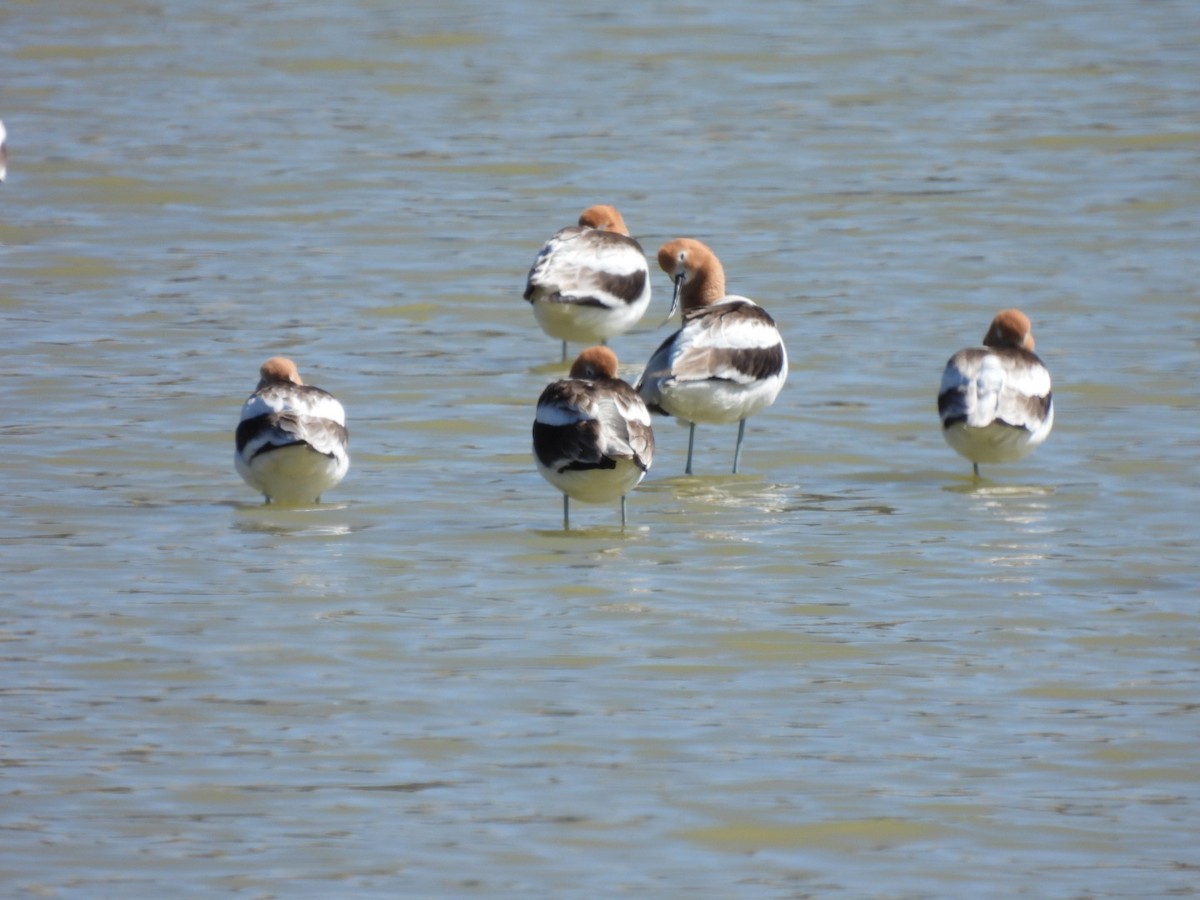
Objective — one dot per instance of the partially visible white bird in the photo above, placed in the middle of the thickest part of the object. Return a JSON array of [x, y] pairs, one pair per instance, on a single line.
[[995, 401], [292, 440], [726, 363], [592, 437], [590, 282]]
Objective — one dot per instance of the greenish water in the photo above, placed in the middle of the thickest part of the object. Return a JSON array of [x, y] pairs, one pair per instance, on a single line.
[[849, 671]]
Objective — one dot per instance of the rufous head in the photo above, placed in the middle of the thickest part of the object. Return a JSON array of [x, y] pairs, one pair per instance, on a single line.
[[603, 218], [595, 362], [697, 273], [276, 369], [1010, 328]]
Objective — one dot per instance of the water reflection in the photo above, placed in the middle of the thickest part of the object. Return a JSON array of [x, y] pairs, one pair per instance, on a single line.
[[985, 489], [749, 492], [1023, 538], [325, 520], [590, 531]]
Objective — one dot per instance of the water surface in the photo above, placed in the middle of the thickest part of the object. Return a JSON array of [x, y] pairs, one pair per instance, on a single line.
[[850, 670]]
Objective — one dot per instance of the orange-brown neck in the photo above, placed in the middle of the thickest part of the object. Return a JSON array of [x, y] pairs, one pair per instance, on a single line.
[[703, 276], [1010, 328], [595, 362]]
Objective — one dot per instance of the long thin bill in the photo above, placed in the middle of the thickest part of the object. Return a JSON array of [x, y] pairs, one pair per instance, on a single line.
[[675, 295]]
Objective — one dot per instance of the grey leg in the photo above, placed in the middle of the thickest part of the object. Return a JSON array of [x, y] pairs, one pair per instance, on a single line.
[[737, 451]]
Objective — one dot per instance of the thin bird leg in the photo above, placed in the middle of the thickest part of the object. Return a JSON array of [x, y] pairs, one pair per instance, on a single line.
[[564, 358], [737, 451], [976, 465], [566, 513], [691, 438], [622, 510]]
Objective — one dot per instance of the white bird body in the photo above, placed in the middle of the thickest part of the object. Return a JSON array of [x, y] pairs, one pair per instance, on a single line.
[[724, 364], [592, 437], [291, 441], [727, 361], [995, 401], [590, 282]]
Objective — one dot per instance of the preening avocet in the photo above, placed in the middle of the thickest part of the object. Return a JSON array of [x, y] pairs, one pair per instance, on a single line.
[[292, 440], [592, 437], [726, 363], [590, 282], [995, 400]]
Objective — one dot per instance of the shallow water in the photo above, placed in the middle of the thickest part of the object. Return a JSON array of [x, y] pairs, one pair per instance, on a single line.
[[850, 670]]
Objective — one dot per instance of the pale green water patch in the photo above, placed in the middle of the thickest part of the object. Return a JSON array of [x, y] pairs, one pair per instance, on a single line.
[[844, 836]]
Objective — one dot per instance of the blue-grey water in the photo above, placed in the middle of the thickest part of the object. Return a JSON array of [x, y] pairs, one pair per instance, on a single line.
[[849, 671]]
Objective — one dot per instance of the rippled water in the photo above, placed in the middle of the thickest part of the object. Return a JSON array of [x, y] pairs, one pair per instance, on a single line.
[[848, 671]]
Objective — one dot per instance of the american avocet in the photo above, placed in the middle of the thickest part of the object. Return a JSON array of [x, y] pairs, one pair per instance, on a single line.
[[592, 437], [590, 282], [726, 363], [3, 152], [995, 400], [291, 440]]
